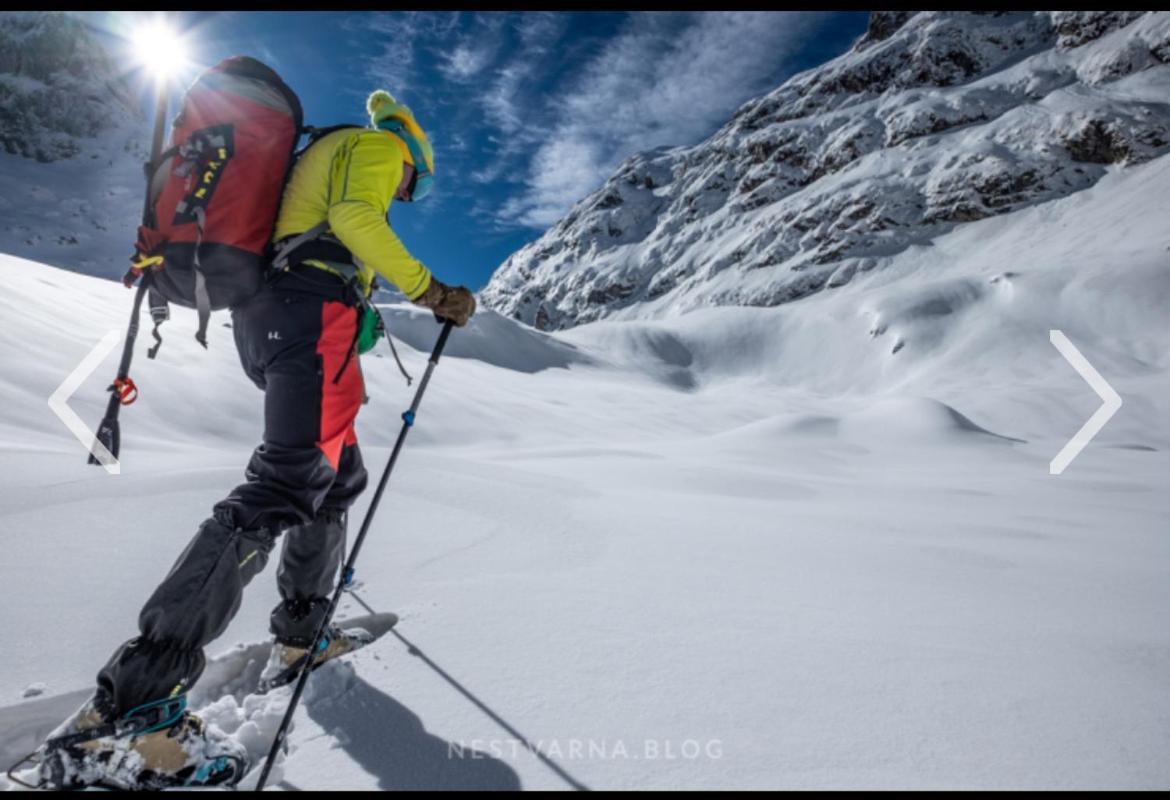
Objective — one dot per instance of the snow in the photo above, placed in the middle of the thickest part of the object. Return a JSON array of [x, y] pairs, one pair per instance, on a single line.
[[732, 548], [74, 212]]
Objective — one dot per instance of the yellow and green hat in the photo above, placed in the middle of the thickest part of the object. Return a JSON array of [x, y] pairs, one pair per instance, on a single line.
[[388, 114]]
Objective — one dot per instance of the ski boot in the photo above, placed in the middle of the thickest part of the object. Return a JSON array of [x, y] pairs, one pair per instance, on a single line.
[[156, 746], [286, 661]]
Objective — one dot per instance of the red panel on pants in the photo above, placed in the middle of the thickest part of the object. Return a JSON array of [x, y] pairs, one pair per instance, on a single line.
[[341, 395]]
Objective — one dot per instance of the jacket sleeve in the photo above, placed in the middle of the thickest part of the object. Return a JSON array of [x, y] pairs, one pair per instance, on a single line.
[[366, 171]]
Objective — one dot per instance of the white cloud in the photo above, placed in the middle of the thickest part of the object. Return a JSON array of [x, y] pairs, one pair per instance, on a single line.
[[540, 30], [465, 62], [398, 35], [473, 51], [662, 79], [508, 102], [500, 100], [665, 79]]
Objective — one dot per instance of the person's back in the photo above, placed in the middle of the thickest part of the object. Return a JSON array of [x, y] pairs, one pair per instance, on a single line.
[[306, 195], [347, 180]]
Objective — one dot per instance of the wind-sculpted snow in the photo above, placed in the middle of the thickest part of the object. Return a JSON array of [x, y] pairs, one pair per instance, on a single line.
[[491, 338], [933, 120]]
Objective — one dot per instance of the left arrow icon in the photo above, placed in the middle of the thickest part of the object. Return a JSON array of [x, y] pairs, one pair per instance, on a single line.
[[59, 402]]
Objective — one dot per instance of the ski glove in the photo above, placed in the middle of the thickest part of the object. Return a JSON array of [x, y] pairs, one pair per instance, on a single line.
[[454, 303]]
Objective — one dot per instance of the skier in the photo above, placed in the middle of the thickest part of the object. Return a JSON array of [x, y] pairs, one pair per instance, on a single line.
[[296, 340]]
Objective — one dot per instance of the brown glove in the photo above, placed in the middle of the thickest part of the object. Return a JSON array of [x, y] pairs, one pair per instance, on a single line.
[[454, 303]]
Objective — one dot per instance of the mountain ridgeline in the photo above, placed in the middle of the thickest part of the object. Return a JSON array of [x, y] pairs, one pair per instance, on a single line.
[[930, 121]]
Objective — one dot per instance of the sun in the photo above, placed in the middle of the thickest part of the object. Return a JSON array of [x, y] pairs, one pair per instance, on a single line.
[[159, 49]]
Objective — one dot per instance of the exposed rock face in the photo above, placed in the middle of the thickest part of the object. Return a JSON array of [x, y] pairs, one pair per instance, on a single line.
[[58, 86], [72, 144], [933, 119], [883, 25], [1075, 28]]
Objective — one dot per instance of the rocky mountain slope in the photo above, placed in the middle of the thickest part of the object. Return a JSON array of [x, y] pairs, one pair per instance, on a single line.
[[932, 120], [72, 141]]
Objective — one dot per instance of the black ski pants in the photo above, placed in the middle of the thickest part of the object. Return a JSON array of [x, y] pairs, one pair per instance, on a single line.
[[296, 340]]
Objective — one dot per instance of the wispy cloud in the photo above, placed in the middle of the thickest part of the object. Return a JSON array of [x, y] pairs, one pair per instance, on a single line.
[[397, 37], [510, 103], [664, 79], [467, 57], [547, 104], [465, 62]]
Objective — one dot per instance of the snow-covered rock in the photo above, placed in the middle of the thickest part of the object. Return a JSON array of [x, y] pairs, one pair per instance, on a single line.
[[932, 120], [72, 144]]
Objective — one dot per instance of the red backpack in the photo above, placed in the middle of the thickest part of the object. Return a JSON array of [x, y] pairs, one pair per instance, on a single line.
[[215, 193]]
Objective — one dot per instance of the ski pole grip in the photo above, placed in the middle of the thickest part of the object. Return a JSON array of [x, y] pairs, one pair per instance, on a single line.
[[442, 342]]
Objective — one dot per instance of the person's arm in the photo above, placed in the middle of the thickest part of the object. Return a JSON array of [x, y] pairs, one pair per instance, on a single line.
[[366, 171]]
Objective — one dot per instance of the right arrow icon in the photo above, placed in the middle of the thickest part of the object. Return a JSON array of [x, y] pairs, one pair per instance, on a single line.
[[1112, 402]]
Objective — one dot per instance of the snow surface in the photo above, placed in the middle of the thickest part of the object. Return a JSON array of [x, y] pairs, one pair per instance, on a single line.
[[815, 545]]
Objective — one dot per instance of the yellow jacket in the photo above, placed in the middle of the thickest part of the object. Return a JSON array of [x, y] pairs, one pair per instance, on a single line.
[[348, 178]]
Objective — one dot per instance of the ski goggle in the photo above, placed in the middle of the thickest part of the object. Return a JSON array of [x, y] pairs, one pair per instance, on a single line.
[[423, 180]]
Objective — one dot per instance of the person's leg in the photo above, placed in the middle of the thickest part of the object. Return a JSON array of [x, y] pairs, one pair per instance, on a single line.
[[191, 607], [309, 407], [312, 554], [286, 341]]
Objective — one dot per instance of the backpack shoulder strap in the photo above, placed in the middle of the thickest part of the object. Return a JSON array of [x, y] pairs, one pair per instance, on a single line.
[[315, 134]]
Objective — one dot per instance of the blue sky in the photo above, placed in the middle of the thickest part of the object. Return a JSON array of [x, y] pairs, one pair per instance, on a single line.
[[528, 112]]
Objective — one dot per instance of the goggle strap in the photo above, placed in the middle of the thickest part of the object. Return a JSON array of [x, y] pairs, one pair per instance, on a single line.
[[396, 127]]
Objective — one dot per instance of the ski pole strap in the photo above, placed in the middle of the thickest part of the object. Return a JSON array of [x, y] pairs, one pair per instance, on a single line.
[[160, 312], [370, 308], [398, 360], [202, 298]]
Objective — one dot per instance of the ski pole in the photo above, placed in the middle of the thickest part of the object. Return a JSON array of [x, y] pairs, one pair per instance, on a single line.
[[348, 572], [122, 390]]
